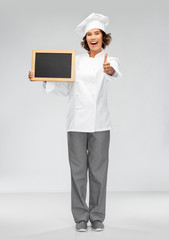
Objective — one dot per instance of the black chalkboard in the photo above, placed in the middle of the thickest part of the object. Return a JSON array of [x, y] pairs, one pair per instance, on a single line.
[[53, 65]]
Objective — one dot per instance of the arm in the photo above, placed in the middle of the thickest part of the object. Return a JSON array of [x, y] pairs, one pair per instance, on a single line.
[[114, 62], [58, 88], [112, 66]]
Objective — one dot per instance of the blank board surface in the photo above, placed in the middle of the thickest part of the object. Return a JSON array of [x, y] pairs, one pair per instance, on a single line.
[[53, 65]]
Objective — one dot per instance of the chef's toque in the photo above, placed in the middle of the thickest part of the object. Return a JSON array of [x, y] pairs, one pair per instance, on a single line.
[[94, 20]]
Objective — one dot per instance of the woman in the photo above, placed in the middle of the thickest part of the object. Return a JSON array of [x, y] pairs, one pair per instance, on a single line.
[[88, 121]]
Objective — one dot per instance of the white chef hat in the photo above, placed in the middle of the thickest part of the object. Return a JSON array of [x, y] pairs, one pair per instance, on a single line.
[[94, 20]]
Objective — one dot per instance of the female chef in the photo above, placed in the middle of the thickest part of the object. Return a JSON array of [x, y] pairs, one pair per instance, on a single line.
[[88, 121]]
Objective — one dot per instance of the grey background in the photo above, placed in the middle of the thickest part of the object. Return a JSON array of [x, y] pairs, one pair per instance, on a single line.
[[33, 140]]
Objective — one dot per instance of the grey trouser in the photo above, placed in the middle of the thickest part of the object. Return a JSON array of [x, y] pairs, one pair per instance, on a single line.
[[88, 150]]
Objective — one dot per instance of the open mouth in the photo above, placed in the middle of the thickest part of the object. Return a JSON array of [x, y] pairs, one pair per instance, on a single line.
[[94, 43]]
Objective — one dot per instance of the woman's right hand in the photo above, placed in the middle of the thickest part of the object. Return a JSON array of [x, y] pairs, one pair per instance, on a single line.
[[31, 75]]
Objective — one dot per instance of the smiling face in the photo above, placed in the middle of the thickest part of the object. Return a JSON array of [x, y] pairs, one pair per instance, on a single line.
[[94, 40]]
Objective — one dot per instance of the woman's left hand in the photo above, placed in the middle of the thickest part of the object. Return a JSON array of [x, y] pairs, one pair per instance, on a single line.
[[107, 68]]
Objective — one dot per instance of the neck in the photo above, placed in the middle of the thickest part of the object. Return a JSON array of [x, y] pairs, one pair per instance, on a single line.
[[93, 53]]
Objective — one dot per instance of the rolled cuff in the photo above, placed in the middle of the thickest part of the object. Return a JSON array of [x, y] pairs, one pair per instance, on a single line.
[[114, 62], [58, 88]]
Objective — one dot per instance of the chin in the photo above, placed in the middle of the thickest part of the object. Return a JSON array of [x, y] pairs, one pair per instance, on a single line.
[[96, 49]]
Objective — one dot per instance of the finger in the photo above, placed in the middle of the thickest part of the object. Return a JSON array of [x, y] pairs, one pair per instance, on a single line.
[[107, 64], [31, 73], [105, 57], [107, 67]]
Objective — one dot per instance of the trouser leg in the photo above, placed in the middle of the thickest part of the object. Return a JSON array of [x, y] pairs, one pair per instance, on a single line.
[[98, 157], [77, 151]]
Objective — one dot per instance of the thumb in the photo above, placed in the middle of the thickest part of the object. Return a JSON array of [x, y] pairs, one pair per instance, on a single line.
[[105, 57]]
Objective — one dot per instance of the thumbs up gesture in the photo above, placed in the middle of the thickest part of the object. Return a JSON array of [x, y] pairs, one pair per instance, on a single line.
[[107, 68]]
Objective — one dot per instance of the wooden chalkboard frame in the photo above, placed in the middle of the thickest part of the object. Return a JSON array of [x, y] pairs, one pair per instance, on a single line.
[[71, 79]]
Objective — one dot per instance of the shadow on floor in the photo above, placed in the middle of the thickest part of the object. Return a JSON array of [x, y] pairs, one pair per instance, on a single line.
[[109, 232]]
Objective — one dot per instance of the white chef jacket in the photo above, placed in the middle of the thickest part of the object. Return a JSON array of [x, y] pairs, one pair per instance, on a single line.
[[87, 103]]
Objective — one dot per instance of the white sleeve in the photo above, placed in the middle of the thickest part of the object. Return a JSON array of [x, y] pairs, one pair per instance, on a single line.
[[114, 62], [58, 88]]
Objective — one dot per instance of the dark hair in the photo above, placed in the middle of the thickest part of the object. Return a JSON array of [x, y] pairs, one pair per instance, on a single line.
[[106, 40]]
